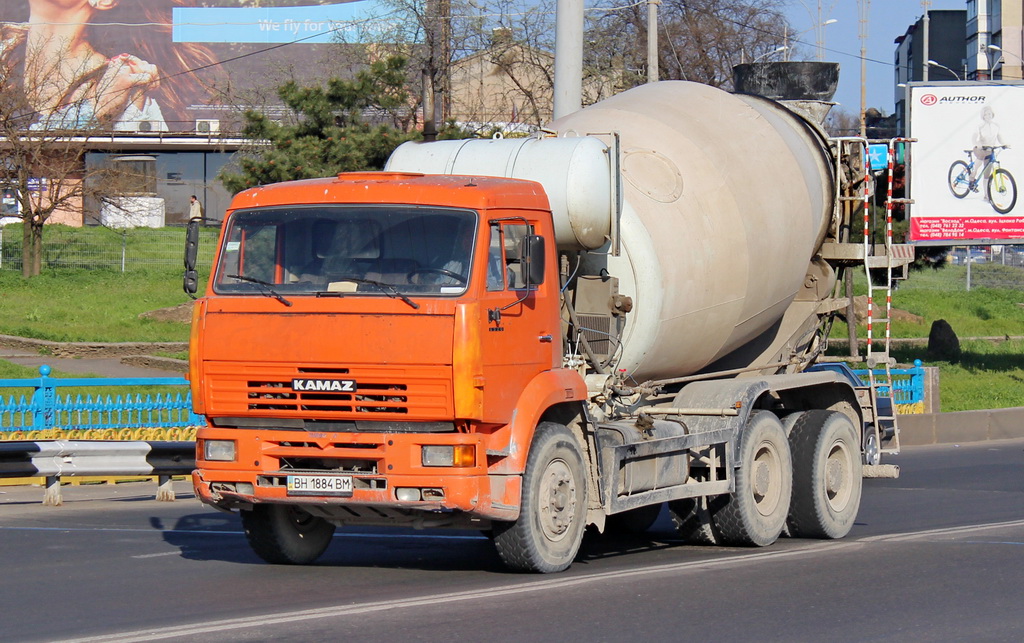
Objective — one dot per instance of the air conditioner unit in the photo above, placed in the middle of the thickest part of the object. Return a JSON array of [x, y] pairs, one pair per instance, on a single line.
[[207, 126]]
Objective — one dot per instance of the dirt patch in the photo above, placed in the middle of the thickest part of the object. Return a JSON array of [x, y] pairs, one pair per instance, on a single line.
[[91, 349], [182, 314], [860, 307]]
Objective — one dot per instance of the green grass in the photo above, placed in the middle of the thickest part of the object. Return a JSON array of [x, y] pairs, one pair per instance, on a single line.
[[989, 375], [12, 371], [72, 305], [994, 306]]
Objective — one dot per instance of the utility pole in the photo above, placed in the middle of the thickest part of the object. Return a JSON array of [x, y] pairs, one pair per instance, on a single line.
[[568, 57], [652, 40], [926, 27], [864, 7], [436, 75]]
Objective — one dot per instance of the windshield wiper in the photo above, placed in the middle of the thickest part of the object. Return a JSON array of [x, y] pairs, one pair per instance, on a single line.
[[268, 289], [387, 289]]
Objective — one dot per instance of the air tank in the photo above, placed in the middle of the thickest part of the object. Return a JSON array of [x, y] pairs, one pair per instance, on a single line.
[[724, 200]]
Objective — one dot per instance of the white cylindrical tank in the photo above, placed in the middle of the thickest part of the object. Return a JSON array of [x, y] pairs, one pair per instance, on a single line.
[[725, 200], [574, 171]]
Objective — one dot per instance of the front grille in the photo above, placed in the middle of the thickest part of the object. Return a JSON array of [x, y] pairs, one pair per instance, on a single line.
[[368, 398], [411, 393]]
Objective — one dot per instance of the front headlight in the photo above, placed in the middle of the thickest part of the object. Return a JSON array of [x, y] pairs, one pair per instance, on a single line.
[[442, 455], [219, 450]]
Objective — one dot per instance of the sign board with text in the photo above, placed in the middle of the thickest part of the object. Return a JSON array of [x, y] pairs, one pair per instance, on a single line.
[[178, 65], [966, 163]]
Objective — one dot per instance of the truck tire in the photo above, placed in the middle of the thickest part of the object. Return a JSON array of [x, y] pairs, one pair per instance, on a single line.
[[827, 478], [755, 513], [547, 535], [692, 521], [286, 534], [634, 521]]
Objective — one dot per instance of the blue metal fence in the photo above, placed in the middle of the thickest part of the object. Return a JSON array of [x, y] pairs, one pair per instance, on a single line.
[[45, 408], [907, 383]]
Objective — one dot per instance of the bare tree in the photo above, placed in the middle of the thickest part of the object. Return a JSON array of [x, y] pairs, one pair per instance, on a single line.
[[698, 40]]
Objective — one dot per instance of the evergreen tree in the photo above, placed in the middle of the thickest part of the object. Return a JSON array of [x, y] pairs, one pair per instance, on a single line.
[[328, 133]]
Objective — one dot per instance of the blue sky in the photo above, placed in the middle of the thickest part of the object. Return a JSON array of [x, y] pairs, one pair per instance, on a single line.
[[887, 20]]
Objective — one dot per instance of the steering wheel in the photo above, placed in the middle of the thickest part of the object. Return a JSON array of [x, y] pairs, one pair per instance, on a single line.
[[437, 271]]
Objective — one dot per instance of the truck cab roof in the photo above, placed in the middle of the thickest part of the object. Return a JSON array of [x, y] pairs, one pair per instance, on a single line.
[[474, 192]]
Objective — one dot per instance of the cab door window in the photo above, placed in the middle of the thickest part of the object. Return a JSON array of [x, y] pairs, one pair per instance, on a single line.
[[504, 265]]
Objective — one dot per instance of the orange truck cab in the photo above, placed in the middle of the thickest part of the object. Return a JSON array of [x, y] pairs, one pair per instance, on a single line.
[[377, 348]]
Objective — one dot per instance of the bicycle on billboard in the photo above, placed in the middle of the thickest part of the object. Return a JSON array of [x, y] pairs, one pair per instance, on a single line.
[[999, 185]]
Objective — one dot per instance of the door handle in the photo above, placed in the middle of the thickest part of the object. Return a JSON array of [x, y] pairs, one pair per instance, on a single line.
[[545, 339]]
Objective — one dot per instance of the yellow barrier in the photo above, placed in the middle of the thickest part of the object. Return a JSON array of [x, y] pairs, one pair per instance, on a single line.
[[177, 434], [909, 409]]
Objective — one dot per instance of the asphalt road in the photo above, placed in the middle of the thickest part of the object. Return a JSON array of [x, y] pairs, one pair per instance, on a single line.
[[937, 555]]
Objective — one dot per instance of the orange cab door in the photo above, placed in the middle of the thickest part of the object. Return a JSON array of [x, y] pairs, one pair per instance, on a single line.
[[520, 338]]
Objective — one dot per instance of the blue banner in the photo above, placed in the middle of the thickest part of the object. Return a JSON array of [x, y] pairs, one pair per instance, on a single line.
[[349, 21]]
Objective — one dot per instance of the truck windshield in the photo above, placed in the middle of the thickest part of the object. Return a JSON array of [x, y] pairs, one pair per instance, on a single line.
[[372, 250]]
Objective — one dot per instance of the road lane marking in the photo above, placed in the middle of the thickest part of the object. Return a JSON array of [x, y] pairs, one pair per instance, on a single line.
[[562, 582], [434, 600], [944, 531], [223, 532]]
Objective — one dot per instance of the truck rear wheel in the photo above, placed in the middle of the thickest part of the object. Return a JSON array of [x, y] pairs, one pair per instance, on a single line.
[[286, 534], [756, 511], [547, 535], [692, 521], [827, 478]]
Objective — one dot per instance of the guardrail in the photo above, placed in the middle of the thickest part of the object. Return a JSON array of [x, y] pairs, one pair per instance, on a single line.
[[62, 458], [46, 409]]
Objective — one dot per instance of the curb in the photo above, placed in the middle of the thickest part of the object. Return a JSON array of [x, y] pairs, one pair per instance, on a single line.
[[961, 426], [90, 349]]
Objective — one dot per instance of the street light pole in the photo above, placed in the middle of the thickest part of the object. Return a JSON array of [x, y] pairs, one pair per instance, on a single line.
[[1002, 57], [778, 49], [943, 67]]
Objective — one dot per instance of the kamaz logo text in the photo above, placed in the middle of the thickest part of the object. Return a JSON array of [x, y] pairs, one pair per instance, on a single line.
[[343, 386]]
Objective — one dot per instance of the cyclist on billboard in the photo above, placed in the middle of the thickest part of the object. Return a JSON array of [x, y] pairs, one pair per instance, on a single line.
[[985, 138]]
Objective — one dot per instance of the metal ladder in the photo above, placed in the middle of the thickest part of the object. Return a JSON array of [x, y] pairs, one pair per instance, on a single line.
[[877, 354]]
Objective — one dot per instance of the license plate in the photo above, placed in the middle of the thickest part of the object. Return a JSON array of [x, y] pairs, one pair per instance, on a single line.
[[320, 485]]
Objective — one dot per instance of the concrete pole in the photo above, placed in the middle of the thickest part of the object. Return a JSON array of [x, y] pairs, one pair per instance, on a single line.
[[865, 10], [568, 57], [652, 40], [924, 45]]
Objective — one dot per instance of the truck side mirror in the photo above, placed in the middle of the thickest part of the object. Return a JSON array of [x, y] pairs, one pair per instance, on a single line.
[[531, 252], [191, 280]]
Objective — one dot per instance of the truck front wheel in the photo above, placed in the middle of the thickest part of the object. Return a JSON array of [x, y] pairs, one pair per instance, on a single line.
[[756, 511], [827, 476], [547, 535], [285, 534]]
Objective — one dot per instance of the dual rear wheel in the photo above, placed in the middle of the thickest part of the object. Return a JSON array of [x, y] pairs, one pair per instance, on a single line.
[[808, 484]]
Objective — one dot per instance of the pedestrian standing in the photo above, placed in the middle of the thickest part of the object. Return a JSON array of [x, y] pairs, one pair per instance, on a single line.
[[195, 209]]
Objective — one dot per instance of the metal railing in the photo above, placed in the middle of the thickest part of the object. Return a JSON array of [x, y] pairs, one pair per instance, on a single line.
[[907, 387], [45, 408]]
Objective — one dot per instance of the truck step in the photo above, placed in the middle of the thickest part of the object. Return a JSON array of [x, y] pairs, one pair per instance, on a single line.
[[881, 471]]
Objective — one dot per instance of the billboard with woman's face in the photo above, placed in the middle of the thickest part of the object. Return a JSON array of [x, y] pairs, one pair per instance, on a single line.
[[165, 65]]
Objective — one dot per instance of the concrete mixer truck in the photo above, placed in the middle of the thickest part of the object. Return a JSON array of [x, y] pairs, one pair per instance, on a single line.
[[530, 337]]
